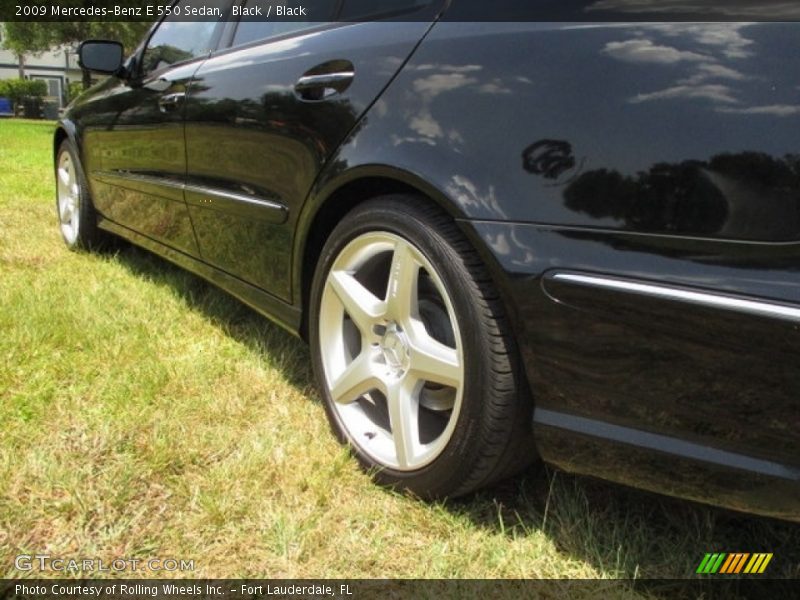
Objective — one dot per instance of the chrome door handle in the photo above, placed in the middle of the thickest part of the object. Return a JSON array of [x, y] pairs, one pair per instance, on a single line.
[[323, 85], [324, 80], [169, 102]]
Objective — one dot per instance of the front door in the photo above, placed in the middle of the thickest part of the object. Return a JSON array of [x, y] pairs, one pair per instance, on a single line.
[[138, 145], [262, 119]]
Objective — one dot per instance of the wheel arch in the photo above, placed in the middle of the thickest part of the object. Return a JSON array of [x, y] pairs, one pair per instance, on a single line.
[[331, 201], [65, 129]]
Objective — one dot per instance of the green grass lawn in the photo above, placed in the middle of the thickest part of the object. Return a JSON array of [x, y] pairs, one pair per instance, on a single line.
[[144, 413]]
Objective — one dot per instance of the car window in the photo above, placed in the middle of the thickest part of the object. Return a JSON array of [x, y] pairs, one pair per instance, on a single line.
[[177, 40], [259, 26], [354, 10]]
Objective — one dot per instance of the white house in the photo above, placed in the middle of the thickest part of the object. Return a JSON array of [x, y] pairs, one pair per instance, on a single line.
[[56, 67]]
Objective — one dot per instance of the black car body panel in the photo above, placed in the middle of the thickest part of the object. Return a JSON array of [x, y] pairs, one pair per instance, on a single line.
[[667, 128], [249, 131], [628, 336], [634, 189], [135, 157]]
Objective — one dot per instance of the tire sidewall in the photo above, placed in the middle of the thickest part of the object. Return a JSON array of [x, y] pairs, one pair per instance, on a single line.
[[456, 461], [86, 216]]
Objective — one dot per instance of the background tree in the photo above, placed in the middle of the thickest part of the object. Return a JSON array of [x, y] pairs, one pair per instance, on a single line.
[[24, 37]]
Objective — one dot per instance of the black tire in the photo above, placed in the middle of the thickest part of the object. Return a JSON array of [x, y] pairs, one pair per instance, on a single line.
[[80, 232], [492, 436]]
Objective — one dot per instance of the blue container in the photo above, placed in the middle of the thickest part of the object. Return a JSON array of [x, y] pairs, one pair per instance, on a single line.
[[6, 109]]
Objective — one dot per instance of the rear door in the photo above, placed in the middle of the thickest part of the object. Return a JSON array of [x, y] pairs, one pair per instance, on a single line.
[[263, 117]]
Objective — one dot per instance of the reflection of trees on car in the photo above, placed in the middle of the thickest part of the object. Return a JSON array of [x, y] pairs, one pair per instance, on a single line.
[[666, 197], [747, 192], [743, 192], [279, 111], [164, 55]]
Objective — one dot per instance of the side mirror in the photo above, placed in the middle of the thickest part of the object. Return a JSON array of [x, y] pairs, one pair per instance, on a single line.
[[100, 56]]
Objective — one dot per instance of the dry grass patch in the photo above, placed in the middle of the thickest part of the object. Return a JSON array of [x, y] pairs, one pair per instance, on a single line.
[[146, 414]]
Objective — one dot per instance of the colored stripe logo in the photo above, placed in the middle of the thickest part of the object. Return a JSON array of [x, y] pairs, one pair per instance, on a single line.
[[734, 563]]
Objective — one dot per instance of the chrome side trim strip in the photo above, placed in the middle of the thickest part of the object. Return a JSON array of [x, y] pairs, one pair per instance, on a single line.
[[662, 443], [276, 212], [252, 200], [734, 303], [119, 176]]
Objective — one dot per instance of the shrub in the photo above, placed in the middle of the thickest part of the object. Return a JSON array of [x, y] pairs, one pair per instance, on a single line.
[[17, 90], [74, 89]]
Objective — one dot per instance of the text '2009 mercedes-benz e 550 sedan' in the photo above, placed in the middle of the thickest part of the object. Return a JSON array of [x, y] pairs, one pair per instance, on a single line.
[[545, 239]]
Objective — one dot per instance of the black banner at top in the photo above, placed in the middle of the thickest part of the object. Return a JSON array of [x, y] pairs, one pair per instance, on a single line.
[[405, 10]]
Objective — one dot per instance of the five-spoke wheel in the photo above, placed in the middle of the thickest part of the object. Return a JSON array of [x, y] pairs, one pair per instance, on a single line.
[[411, 350], [391, 350], [68, 198], [76, 216]]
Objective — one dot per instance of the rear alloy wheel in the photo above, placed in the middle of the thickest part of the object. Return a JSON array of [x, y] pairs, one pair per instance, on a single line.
[[396, 381], [76, 216], [417, 373]]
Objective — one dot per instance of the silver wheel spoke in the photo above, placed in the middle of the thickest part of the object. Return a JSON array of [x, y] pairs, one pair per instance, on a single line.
[[404, 418], [362, 306], [401, 293], [356, 380], [395, 353], [433, 361], [68, 198], [65, 211]]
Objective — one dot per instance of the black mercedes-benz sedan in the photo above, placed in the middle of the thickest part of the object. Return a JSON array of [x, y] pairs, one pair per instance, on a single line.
[[572, 239]]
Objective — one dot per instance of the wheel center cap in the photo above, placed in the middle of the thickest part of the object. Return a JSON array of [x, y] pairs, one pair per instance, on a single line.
[[395, 348]]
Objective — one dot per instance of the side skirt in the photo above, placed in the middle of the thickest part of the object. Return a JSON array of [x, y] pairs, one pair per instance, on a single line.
[[281, 313], [662, 443], [667, 465]]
